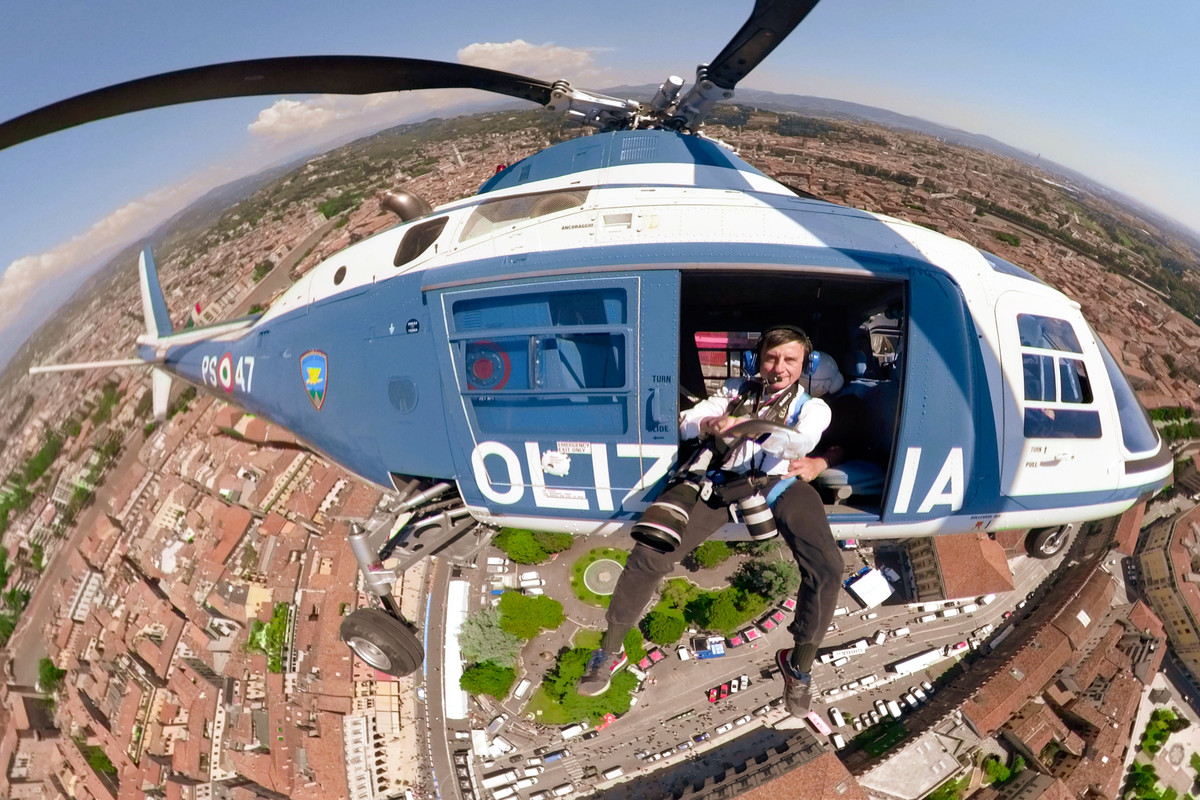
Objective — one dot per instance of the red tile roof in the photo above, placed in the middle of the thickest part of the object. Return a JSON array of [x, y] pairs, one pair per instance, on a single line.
[[1128, 528], [972, 564]]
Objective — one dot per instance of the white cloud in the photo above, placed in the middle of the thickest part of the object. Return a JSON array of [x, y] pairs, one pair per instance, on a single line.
[[301, 123], [327, 116], [545, 61], [32, 273]]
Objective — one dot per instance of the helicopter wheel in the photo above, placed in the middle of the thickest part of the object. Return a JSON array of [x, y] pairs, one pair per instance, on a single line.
[[382, 641], [1048, 542]]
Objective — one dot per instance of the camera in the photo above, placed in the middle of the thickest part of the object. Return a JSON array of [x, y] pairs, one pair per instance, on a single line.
[[662, 523], [759, 519], [752, 507]]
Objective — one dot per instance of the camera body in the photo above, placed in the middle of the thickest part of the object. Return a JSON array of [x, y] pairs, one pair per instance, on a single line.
[[662, 524]]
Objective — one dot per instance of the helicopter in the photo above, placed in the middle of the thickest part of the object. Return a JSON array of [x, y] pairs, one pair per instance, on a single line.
[[519, 357]]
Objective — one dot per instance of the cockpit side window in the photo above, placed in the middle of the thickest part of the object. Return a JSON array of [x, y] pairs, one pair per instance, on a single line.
[[1055, 381]]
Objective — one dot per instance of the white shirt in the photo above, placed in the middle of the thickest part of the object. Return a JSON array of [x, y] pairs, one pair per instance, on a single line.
[[808, 416]]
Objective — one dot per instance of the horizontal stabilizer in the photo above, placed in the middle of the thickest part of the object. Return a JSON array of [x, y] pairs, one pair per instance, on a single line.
[[154, 305], [86, 365]]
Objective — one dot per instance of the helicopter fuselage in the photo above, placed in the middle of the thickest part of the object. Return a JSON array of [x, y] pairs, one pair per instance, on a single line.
[[533, 342]]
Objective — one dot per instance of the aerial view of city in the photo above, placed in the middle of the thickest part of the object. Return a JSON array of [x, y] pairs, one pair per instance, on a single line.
[[222, 584]]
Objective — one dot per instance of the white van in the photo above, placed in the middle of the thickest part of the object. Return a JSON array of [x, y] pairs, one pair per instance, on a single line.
[[529, 583], [838, 741], [880, 637], [900, 632], [522, 688], [533, 591], [503, 792], [612, 772], [837, 662], [841, 611], [835, 716], [894, 709], [927, 618], [497, 561], [868, 680], [987, 599], [529, 576], [571, 731], [563, 789], [950, 612], [683, 653]]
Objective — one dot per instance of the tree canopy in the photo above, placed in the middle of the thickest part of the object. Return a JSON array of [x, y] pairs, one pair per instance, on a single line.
[[488, 678], [482, 638], [663, 627], [531, 547], [773, 580], [526, 617], [711, 553], [50, 677], [561, 679]]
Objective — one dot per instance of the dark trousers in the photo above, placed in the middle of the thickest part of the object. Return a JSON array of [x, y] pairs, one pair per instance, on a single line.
[[800, 517]]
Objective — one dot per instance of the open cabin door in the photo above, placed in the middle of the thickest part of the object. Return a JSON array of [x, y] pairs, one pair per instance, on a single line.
[[562, 395]]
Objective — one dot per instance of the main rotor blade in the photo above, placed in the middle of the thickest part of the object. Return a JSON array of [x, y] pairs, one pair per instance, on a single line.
[[770, 23], [268, 76]]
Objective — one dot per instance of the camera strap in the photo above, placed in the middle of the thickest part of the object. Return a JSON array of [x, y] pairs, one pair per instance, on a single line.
[[776, 409]]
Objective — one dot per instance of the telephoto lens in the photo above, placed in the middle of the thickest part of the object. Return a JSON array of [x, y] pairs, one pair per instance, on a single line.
[[661, 525], [759, 519]]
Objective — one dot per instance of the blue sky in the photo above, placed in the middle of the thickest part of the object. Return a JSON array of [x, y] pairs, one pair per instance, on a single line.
[[1112, 90]]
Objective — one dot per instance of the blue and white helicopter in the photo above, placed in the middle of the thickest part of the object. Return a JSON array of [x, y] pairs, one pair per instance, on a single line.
[[519, 357]]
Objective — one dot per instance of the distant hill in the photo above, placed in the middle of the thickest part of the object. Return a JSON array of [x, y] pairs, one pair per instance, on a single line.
[[812, 106]]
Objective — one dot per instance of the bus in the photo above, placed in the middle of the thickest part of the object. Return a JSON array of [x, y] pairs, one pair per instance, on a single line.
[[845, 651], [918, 662], [818, 724]]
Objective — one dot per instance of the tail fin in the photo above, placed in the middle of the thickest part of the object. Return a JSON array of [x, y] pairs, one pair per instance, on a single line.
[[154, 305], [158, 325]]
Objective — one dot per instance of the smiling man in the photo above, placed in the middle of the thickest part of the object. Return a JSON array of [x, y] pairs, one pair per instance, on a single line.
[[743, 479]]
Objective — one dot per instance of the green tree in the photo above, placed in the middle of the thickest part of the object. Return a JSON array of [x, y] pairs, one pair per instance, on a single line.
[[717, 612], [950, 790], [482, 639], [711, 554], [50, 677], [37, 557], [560, 680], [635, 647], [531, 547], [526, 617], [663, 627], [771, 579], [99, 761], [488, 678]]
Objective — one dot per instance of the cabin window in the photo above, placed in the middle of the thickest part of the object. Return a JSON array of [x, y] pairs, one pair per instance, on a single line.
[[545, 359], [418, 239], [491, 216], [1056, 382]]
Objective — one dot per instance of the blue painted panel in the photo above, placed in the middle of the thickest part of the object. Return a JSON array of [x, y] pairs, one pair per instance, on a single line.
[[614, 149], [555, 447], [942, 416], [380, 410]]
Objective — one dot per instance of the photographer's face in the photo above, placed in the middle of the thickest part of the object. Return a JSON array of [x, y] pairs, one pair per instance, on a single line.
[[782, 365]]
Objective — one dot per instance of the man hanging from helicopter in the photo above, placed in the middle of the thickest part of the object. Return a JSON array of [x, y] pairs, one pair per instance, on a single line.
[[745, 479]]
